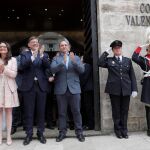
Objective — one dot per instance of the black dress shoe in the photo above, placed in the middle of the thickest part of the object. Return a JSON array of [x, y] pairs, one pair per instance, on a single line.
[[13, 130], [125, 135], [80, 137], [148, 132], [27, 140], [118, 134], [60, 137], [41, 138]]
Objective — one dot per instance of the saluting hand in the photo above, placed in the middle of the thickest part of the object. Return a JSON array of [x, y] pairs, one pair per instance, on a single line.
[[144, 45], [108, 50]]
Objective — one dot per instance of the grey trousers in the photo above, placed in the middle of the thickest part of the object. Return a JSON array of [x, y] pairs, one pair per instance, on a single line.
[[73, 100]]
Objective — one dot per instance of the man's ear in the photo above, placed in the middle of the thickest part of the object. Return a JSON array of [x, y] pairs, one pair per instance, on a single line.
[[28, 45]]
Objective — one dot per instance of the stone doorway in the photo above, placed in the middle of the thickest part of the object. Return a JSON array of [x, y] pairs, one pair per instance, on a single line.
[[19, 21]]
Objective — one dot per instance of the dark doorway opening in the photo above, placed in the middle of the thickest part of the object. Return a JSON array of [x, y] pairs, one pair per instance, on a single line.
[[76, 20]]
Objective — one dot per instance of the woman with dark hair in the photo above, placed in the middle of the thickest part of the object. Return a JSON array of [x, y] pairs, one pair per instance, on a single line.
[[8, 87]]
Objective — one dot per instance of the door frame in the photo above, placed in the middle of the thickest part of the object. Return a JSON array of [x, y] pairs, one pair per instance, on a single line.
[[94, 26]]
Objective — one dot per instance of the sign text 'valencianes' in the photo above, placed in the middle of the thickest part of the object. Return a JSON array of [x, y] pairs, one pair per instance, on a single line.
[[140, 20]]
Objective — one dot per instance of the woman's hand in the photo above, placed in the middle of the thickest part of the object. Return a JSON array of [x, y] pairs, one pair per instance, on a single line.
[[1, 68]]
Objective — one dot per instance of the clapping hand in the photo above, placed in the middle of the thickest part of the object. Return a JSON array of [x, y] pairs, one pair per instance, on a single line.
[[34, 55], [65, 58], [57, 54], [1, 68], [35, 52], [72, 56], [41, 50]]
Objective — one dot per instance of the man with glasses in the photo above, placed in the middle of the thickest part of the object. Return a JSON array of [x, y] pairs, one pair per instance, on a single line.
[[34, 88]]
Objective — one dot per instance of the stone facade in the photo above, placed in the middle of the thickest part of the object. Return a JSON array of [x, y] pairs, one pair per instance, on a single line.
[[125, 20]]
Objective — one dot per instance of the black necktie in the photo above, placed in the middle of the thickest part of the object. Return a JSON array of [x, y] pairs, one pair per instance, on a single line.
[[119, 59]]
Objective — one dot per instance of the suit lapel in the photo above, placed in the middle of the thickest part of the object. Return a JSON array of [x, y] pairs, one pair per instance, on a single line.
[[30, 53]]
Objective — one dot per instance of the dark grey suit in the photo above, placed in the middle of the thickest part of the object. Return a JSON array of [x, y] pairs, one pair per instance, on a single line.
[[67, 90]]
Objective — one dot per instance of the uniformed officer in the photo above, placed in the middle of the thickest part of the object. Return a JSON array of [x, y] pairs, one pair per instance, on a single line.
[[121, 83], [144, 63]]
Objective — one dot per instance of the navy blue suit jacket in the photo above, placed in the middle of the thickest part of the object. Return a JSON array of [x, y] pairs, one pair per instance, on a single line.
[[30, 69]]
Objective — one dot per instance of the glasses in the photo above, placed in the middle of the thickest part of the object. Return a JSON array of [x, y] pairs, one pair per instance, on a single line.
[[3, 46]]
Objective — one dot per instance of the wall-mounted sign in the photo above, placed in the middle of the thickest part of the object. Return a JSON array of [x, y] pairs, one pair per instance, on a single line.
[[140, 20]]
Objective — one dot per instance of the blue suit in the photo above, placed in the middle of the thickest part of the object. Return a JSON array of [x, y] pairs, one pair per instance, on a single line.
[[67, 78], [67, 90], [34, 90], [34, 69]]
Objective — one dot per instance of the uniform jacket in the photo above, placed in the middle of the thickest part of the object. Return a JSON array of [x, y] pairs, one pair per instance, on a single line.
[[145, 66], [66, 77], [121, 76]]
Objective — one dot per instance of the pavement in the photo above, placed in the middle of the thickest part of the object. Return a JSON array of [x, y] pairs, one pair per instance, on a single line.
[[136, 141]]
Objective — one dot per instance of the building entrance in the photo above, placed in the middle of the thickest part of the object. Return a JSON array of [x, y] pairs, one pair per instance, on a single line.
[[51, 20]]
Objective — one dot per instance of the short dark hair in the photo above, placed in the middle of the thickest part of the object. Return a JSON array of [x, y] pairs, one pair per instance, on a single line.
[[32, 38], [9, 55], [22, 49]]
